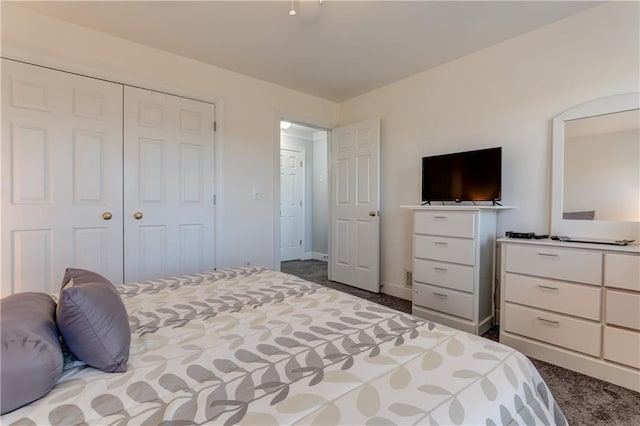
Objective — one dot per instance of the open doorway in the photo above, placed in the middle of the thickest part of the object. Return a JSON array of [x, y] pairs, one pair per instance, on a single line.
[[304, 196]]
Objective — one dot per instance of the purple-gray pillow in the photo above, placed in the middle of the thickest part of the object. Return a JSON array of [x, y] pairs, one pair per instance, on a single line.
[[585, 215], [93, 321], [31, 358]]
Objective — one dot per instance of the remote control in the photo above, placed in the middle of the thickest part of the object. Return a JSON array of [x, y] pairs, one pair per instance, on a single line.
[[524, 235]]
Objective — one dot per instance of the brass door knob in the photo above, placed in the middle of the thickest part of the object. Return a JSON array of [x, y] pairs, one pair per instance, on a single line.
[[137, 215], [107, 215], [372, 213]]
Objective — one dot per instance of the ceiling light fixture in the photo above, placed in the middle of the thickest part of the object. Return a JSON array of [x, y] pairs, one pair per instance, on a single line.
[[292, 11]]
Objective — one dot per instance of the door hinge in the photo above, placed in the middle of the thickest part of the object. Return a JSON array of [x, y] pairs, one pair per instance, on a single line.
[[300, 242], [300, 203], [214, 199], [215, 126], [301, 164]]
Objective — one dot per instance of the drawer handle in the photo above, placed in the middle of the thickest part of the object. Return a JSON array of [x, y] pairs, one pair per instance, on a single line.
[[440, 269], [547, 287], [548, 254], [440, 243], [439, 294], [548, 321], [440, 217]]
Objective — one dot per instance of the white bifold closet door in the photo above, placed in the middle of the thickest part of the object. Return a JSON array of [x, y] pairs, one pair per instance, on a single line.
[[169, 185], [61, 177], [80, 157]]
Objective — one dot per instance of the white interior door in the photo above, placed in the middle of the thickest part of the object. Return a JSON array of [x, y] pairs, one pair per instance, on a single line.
[[355, 205], [169, 191], [61, 170], [291, 203]]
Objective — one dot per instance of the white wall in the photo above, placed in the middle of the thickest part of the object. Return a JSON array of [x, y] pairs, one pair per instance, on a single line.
[[504, 95], [248, 112]]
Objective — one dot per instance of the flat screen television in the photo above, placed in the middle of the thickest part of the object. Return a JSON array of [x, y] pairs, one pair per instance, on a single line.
[[463, 176]]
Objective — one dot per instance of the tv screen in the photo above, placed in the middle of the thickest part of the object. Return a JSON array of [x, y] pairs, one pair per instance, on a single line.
[[463, 176]]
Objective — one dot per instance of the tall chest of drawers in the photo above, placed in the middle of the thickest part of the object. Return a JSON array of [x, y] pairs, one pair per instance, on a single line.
[[453, 266], [574, 305]]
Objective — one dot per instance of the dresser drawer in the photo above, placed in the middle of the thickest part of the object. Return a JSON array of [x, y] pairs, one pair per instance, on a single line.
[[559, 263], [571, 299], [446, 223], [622, 346], [623, 309], [443, 300], [456, 277], [575, 334], [622, 271], [455, 250]]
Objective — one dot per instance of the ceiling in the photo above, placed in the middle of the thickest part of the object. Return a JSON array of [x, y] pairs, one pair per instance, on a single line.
[[301, 130], [335, 50]]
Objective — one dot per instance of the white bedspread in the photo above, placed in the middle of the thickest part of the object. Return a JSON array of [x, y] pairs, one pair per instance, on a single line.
[[254, 346]]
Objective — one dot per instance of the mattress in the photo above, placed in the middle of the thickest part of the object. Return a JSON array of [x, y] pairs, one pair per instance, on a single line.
[[255, 346]]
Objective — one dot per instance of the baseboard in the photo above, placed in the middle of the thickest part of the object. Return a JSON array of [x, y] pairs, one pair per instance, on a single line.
[[320, 256], [445, 319], [398, 291], [485, 325], [306, 256]]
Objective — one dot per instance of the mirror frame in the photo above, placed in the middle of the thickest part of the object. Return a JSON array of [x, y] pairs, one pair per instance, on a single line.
[[586, 228]]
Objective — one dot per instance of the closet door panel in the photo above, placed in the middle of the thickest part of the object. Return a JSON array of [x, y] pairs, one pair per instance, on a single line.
[[91, 247], [151, 171], [31, 261], [29, 164], [61, 170], [152, 243], [169, 175]]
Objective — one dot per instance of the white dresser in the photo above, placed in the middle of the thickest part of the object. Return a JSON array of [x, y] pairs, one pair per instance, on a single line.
[[453, 265], [573, 305]]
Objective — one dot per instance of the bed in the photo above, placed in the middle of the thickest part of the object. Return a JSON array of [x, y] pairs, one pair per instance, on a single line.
[[255, 346]]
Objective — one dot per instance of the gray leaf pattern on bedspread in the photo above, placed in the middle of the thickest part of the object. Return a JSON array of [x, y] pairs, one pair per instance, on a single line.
[[254, 346]]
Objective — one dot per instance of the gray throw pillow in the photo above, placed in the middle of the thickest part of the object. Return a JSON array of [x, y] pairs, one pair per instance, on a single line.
[[585, 215], [93, 321], [30, 358]]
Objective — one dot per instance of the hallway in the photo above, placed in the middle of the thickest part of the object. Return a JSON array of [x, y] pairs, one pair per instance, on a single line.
[[316, 271]]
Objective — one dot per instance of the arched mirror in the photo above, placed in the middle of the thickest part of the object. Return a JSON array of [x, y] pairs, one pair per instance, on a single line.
[[596, 170]]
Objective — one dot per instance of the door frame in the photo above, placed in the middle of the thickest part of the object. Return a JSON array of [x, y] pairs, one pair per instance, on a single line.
[[302, 121]]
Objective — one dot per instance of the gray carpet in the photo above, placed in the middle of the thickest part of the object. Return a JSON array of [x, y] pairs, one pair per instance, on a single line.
[[583, 399]]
